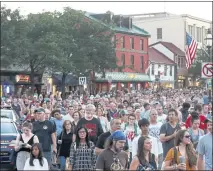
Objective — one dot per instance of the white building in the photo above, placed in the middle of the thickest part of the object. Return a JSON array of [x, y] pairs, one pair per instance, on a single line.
[[172, 28], [161, 66]]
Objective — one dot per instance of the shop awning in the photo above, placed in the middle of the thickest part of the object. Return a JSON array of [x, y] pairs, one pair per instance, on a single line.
[[122, 77]]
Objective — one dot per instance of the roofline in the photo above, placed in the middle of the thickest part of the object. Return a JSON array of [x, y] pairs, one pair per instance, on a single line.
[[173, 62], [196, 18], [88, 15], [135, 15], [165, 46]]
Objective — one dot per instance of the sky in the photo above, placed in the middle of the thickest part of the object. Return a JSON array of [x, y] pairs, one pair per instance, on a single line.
[[198, 9]]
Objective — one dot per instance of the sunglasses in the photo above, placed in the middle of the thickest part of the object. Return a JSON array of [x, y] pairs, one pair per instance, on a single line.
[[187, 136]]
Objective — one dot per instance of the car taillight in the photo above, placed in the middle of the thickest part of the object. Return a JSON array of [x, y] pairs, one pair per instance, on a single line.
[[12, 144]]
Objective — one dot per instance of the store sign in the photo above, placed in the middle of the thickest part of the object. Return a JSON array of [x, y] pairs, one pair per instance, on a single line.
[[22, 78]]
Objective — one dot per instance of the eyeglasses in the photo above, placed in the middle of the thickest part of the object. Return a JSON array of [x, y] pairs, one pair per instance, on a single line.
[[82, 132], [187, 136]]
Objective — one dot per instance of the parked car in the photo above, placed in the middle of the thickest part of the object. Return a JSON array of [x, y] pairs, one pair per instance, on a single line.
[[8, 112], [8, 135]]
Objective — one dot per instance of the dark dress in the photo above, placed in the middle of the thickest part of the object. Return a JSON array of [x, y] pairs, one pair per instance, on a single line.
[[151, 165]]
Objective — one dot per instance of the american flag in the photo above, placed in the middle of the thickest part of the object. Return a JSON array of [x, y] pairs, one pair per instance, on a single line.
[[190, 50]]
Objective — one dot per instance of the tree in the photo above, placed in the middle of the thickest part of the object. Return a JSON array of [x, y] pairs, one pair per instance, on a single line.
[[201, 56], [84, 46], [10, 22]]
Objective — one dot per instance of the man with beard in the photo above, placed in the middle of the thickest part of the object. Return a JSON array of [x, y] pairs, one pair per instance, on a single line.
[[113, 157]]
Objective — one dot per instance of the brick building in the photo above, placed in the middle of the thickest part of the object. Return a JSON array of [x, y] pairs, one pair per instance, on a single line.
[[131, 52]]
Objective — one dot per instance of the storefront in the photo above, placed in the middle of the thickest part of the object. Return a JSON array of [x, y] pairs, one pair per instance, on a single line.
[[182, 81], [18, 83], [119, 81]]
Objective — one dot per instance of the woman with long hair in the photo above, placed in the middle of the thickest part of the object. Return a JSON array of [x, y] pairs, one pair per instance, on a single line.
[[144, 160], [184, 148], [24, 143], [82, 151], [195, 132], [64, 142], [36, 160], [102, 119]]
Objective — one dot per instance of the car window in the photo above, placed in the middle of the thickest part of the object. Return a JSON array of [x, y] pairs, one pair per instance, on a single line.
[[8, 128], [7, 114]]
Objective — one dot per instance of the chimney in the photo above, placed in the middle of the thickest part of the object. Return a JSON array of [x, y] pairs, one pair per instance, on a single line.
[[127, 22]]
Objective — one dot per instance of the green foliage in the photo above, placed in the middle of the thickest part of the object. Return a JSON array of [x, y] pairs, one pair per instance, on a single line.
[[201, 56]]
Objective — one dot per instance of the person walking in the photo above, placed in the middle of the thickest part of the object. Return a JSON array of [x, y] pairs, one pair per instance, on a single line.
[[113, 157], [23, 145], [183, 147], [204, 148], [36, 160], [144, 160], [82, 151], [64, 142]]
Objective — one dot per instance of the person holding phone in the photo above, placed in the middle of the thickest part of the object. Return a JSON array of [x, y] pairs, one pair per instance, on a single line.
[[23, 145]]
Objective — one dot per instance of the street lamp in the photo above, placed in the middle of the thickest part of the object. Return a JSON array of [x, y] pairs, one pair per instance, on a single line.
[[209, 41]]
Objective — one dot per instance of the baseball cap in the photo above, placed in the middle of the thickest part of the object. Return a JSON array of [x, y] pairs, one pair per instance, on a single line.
[[118, 136], [39, 110], [208, 119]]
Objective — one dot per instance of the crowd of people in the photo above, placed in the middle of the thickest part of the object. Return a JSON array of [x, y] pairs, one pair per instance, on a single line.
[[137, 130]]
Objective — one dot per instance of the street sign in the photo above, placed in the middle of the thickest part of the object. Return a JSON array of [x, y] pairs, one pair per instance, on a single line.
[[207, 70], [82, 80]]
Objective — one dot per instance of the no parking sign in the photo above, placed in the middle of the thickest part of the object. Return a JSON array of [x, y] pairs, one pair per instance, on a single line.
[[207, 70]]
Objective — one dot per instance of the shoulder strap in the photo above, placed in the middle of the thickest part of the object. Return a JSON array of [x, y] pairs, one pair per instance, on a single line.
[[175, 154], [126, 124], [166, 126], [136, 131]]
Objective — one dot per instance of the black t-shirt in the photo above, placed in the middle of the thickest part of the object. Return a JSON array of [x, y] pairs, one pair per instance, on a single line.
[[102, 139], [66, 143], [43, 130], [93, 126]]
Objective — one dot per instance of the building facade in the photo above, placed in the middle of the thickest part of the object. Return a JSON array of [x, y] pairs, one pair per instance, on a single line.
[[131, 52], [172, 28], [178, 57], [161, 69]]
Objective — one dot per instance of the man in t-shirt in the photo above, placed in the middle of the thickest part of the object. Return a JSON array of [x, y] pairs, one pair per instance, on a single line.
[[92, 124], [204, 148], [168, 131], [161, 118], [45, 133], [113, 157]]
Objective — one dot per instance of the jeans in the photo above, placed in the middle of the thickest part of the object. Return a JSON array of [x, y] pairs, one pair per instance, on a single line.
[[62, 160], [48, 156]]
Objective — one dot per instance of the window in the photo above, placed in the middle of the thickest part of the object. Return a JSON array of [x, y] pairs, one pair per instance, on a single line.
[[142, 62], [122, 42], [190, 29], [131, 43], [132, 60], [181, 62], [159, 33], [153, 69], [123, 59], [141, 44], [170, 71], [165, 70]]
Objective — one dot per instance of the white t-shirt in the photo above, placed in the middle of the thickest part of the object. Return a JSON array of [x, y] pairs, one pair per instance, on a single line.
[[154, 149], [154, 131], [37, 165], [162, 118], [129, 131]]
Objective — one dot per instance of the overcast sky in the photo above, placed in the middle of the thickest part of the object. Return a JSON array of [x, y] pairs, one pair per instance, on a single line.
[[198, 9]]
